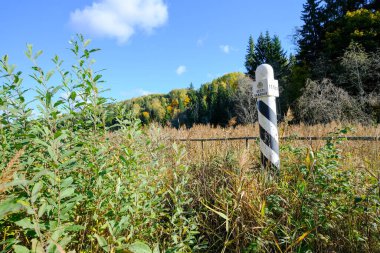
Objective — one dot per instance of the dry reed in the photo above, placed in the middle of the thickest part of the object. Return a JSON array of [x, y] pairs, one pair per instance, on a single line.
[[7, 173]]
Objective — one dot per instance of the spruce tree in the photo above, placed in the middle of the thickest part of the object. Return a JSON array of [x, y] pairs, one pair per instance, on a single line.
[[250, 58], [311, 33], [267, 50]]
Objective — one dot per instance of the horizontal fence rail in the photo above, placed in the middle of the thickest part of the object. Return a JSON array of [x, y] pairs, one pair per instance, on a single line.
[[296, 138], [305, 138]]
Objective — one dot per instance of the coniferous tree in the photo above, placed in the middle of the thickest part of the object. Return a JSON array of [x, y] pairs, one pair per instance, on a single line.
[[250, 60], [311, 33], [268, 50]]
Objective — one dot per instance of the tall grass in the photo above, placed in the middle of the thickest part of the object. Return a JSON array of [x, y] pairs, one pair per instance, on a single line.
[[325, 199]]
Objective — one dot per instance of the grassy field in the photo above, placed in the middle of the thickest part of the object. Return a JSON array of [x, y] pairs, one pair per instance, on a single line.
[[356, 153], [319, 202]]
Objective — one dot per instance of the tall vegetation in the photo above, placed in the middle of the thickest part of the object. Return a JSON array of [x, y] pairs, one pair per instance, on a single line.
[[329, 28], [72, 182], [68, 183]]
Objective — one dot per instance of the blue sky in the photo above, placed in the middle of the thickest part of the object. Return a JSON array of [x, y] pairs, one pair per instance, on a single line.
[[147, 46]]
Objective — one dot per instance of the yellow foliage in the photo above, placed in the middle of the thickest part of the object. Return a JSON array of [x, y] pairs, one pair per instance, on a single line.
[[146, 115], [175, 103], [186, 101], [136, 108]]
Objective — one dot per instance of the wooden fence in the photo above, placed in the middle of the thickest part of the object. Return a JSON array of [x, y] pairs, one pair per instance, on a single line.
[[299, 138]]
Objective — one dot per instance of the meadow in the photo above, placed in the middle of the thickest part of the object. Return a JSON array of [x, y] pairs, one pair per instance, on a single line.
[[71, 183]]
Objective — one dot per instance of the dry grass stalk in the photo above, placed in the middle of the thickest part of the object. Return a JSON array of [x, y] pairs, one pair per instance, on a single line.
[[207, 131], [9, 170]]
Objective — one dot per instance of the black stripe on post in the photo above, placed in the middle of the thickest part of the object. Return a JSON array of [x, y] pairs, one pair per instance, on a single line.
[[267, 112], [269, 140]]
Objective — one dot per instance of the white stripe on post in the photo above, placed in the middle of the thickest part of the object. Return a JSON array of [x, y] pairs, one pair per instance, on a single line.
[[265, 89]]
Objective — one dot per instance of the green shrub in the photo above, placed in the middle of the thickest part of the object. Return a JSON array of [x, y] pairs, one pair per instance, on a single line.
[[68, 183]]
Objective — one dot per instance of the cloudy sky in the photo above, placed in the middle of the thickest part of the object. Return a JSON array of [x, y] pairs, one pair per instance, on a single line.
[[147, 46]]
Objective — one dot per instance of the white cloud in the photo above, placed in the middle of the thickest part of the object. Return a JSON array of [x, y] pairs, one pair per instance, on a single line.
[[127, 94], [143, 92], [119, 18], [180, 70], [225, 48]]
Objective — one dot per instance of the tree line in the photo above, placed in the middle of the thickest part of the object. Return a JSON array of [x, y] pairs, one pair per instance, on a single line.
[[334, 74]]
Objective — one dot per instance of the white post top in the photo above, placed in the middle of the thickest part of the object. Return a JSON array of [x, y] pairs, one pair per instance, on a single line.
[[264, 71], [265, 85]]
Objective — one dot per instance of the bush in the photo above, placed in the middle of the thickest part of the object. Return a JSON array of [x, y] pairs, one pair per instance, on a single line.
[[68, 183], [323, 102], [244, 102]]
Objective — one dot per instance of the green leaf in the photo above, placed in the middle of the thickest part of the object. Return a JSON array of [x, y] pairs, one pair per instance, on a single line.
[[36, 189], [97, 77], [86, 43], [42, 142], [66, 193], [42, 209], [55, 59], [42, 172], [29, 51], [217, 212], [26, 205], [94, 50], [59, 102], [74, 228], [139, 247], [25, 223], [39, 52], [68, 207], [37, 246], [73, 95], [49, 75], [80, 104], [52, 154], [48, 97], [9, 206], [66, 182], [57, 234], [102, 242], [263, 209], [20, 249]]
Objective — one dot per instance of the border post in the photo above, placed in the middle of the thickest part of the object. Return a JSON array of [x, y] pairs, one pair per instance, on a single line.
[[265, 89]]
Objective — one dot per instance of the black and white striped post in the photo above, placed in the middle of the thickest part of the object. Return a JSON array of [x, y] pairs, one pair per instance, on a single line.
[[265, 89]]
